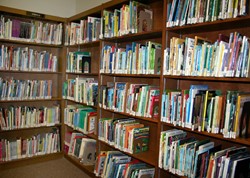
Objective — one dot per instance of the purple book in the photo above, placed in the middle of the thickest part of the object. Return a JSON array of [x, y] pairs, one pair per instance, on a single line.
[[16, 28]]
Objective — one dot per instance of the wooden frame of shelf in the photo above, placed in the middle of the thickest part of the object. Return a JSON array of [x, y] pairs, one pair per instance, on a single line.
[[39, 75]]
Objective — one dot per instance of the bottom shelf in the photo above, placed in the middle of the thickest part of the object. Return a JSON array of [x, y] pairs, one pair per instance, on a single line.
[[87, 169], [29, 160]]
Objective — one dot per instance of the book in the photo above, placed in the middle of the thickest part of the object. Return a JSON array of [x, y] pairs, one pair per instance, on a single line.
[[88, 151], [198, 157], [86, 64], [241, 127], [144, 16], [170, 137], [162, 147], [140, 140], [107, 161], [146, 173], [194, 89], [240, 167], [117, 161], [99, 165]]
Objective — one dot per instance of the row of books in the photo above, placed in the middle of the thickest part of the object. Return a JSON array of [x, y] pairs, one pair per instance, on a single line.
[[83, 90], [40, 144], [80, 118], [228, 56], [27, 59], [79, 62], [116, 164], [17, 117], [87, 30], [135, 58], [14, 89], [83, 148], [187, 156], [134, 17], [135, 99], [126, 134], [183, 12], [208, 110], [30, 31]]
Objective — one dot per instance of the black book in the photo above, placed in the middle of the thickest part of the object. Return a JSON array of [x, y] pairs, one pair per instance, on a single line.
[[86, 64], [244, 130]]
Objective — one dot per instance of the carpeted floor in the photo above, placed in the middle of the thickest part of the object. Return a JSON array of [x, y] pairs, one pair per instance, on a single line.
[[59, 168]]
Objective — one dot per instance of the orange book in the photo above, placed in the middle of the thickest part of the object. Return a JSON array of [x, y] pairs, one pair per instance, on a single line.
[[127, 129]]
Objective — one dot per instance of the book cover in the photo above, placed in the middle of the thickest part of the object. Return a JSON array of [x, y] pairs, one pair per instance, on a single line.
[[99, 165], [140, 139], [144, 17], [194, 89], [88, 151], [241, 168], [86, 64], [242, 126]]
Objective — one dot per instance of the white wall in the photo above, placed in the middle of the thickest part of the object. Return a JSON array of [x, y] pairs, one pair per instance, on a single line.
[[61, 8], [83, 5]]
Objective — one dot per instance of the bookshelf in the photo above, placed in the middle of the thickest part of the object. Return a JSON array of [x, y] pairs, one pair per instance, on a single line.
[[208, 30], [29, 60], [84, 43], [124, 75]]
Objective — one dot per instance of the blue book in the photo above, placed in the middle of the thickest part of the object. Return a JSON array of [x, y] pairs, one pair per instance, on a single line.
[[194, 89], [163, 100]]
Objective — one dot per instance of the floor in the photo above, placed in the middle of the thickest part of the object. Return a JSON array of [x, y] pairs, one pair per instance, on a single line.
[[59, 168]]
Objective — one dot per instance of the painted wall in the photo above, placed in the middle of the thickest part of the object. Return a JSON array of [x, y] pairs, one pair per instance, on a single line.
[[83, 5], [61, 8]]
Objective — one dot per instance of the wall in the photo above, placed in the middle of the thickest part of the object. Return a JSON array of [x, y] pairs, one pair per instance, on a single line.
[[83, 5], [61, 8]]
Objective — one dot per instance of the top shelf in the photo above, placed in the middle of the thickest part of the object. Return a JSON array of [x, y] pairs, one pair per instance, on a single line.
[[39, 16], [225, 24]]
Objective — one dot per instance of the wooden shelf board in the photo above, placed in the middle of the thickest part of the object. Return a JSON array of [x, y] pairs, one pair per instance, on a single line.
[[243, 141], [33, 100], [29, 43], [29, 128], [227, 79], [147, 156]]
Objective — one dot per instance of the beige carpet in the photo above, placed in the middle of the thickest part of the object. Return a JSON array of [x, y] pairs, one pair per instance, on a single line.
[[59, 168]]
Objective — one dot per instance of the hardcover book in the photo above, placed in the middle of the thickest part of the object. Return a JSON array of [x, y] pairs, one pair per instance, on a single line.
[[86, 64]]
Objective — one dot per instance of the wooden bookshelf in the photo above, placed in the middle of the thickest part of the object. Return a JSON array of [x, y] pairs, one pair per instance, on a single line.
[[208, 30], [27, 74], [94, 48]]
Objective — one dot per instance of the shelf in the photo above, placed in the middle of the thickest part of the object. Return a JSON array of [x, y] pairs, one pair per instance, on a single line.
[[143, 156], [81, 103], [88, 44], [29, 128], [241, 141], [133, 75], [238, 22], [25, 14], [82, 74], [88, 169], [30, 72], [29, 43], [226, 79], [91, 135], [29, 100], [135, 36], [130, 115]]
